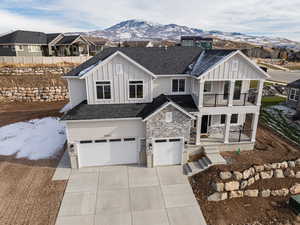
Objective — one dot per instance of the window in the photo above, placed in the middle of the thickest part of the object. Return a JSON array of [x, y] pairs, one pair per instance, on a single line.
[[294, 94], [237, 90], [169, 117], [174, 140], [34, 48], [161, 140], [19, 48], [129, 139], [207, 86], [103, 90], [86, 142], [100, 141], [223, 119], [136, 89], [178, 85], [226, 90], [119, 69], [234, 118], [115, 140]]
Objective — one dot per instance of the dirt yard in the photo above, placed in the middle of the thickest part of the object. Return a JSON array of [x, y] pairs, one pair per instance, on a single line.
[[241, 211], [28, 196]]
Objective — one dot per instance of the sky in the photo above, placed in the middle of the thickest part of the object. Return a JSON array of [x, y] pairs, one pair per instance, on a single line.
[[277, 18]]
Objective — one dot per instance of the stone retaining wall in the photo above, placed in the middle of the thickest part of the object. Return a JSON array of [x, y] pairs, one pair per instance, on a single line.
[[42, 94], [35, 70], [234, 184]]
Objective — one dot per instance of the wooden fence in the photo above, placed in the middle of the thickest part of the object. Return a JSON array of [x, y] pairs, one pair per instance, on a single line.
[[42, 59]]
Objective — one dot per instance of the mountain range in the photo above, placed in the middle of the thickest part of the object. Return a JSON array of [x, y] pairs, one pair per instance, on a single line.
[[144, 30]]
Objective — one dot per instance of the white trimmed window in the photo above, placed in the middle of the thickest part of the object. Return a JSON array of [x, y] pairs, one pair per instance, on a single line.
[[19, 48], [234, 118], [169, 117], [207, 86], [103, 90], [178, 85], [34, 48], [136, 89], [294, 94]]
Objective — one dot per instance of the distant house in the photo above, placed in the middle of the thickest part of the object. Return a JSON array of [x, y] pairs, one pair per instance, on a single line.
[[138, 44], [31, 43], [97, 44], [293, 99], [197, 41]]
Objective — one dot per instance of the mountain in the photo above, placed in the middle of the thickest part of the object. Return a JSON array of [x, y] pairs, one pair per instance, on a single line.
[[144, 30]]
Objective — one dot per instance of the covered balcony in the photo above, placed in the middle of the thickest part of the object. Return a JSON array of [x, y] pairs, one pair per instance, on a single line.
[[229, 93]]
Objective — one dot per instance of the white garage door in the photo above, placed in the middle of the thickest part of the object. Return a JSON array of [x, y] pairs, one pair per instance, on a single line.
[[108, 152], [167, 151]]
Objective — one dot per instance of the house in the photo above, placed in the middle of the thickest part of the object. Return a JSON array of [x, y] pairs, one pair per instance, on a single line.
[[197, 41], [293, 97], [155, 106], [31, 43], [97, 44], [138, 44]]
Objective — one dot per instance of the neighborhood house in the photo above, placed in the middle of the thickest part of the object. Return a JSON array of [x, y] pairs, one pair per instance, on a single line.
[[156, 106], [293, 99]]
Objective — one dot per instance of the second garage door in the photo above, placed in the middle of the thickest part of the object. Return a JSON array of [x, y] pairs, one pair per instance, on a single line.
[[108, 152], [167, 151]]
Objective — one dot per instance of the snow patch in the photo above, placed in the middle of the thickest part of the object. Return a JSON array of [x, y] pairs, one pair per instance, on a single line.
[[34, 139]]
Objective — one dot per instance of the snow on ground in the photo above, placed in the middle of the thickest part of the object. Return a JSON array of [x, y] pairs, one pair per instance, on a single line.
[[34, 139], [286, 111]]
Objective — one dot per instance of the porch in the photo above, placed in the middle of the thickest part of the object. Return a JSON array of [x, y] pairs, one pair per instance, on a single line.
[[222, 129]]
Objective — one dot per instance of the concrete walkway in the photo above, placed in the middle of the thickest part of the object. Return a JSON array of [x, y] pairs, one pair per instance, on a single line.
[[128, 195]]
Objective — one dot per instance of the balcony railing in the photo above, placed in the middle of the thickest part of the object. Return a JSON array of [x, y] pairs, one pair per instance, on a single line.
[[214, 100], [240, 135], [218, 100]]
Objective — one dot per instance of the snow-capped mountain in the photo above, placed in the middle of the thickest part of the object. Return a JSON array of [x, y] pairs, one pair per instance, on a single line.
[[144, 30]]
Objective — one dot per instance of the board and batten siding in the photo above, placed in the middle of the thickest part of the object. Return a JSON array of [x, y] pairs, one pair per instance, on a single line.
[[119, 82], [163, 85], [224, 71], [77, 91]]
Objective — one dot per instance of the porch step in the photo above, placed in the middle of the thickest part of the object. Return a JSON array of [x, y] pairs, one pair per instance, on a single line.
[[211, 149], [195, 167], [213, 154]]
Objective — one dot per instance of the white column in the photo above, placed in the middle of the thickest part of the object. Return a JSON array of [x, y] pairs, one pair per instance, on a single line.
[[260, 91], [201, 92], [227, 129], [254, 126], [231, 92], [198, 129]]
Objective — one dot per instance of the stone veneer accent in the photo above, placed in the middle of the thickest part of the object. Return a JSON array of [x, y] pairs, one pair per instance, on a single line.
[[34, 94], [157, 127], [35, 70]]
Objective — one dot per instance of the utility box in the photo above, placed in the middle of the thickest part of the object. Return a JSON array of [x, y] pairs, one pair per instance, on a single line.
[[294, 203]]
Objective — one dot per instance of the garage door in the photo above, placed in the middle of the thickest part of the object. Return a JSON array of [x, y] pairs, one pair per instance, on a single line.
[[108, 152], [167, 151]]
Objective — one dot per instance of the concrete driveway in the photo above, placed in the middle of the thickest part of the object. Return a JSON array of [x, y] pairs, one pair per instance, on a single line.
[[129, 195]]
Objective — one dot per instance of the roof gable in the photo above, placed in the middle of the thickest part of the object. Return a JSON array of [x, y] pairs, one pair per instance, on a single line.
[[220, 66], [107, 60]]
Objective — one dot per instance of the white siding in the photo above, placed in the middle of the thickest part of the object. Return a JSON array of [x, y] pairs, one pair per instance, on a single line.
[[163, 85], [119, 82], [224, 71], [77, 91], [77, 131]]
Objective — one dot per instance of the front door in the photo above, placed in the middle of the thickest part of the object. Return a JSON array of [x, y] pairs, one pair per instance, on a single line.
[[204, 124]]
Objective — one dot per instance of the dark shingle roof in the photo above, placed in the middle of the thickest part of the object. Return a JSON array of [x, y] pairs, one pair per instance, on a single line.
[[294, 84], [173, 60], [209, 59], [136, 110], [66, 40], [24, 37], [52, 36]]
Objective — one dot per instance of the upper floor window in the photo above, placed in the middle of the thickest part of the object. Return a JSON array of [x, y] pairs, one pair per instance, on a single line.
[[103, 89], [294, 94], [136, 89], [178, 85], [207, 86]]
